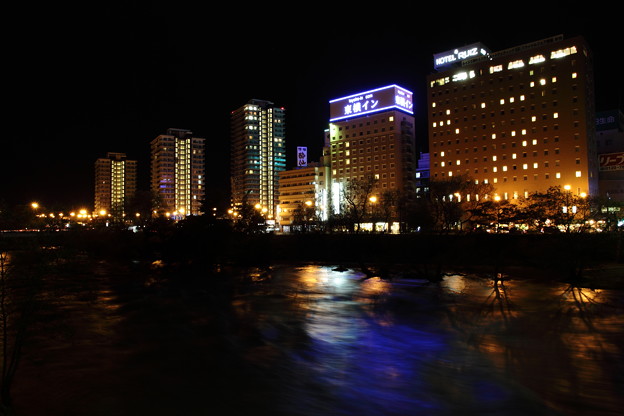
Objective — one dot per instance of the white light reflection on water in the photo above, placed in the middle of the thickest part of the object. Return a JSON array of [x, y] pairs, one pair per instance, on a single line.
[[363, 358], [467, 345]]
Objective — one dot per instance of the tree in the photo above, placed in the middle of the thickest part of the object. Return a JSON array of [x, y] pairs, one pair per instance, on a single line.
[[356, 199], [445, 201], [557, 207]]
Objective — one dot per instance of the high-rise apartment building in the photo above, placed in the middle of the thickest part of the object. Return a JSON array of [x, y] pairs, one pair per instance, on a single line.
[[115, 184], [521, 119], [371, 134], [258, 154], [178, 172]]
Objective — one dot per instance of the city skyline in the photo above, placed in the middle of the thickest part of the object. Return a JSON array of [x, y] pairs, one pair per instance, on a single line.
[[87, 88]]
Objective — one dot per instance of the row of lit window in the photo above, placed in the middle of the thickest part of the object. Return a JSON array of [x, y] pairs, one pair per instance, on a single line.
[[515, 64], [577, 174]]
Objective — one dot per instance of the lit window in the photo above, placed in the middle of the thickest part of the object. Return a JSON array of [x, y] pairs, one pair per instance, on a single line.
[[502, 101], [542, 81], [494, 158], [513, 156], [525, 166], [522, 98], [482, 105], [442, 154], [558, 175], [493, 135], [448, 112], [524, 143], [578, 173], [556, 115], [458, 162], [505, 168], [574, 75], [554, 79], [534, 142], [535, 165]]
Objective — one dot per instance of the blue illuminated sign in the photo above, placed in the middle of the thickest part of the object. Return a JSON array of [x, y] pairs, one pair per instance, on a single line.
[[391, 97]]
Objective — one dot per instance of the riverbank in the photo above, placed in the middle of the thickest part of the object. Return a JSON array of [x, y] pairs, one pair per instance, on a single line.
[[595, 259]]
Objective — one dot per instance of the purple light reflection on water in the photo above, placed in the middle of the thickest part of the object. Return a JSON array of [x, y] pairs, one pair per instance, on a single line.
[[365, 358]]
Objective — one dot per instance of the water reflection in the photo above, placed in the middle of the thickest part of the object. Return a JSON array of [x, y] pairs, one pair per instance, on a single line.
[[316, 340], [469, 344]]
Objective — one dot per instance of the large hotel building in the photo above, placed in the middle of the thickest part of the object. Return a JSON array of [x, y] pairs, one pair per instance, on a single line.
[[521, 119], [372, 134], [177, 172], [258, 154], [115, 184]]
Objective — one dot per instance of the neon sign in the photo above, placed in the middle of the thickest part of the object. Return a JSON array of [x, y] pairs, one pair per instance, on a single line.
[[451, 57], [391, 97]]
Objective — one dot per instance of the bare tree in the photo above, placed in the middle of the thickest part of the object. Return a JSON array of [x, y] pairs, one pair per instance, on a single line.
[[356, 199]]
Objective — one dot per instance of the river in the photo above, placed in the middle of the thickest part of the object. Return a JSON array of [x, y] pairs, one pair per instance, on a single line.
[[311, 339]]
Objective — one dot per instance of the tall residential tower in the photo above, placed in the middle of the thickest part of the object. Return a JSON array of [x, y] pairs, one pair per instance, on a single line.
[[115, 184], [258, 154], [178, 172]]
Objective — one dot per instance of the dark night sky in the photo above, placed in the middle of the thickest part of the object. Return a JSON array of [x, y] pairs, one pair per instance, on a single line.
[[82, 82]]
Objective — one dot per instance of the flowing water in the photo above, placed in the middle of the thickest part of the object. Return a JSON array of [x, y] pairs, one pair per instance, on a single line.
[[314, 340]]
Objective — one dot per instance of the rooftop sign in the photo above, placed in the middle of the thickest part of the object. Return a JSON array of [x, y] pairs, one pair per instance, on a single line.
[[391, 97], [457, 55]]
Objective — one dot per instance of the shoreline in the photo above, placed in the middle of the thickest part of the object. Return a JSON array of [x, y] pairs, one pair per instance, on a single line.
[[593, 260]]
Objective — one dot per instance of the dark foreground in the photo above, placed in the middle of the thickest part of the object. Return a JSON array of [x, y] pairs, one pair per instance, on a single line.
[[125, 330]]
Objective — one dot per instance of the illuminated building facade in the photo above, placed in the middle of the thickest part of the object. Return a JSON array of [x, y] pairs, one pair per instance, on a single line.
[[115, 184], [371, 134], [178, 172], [302, 195], [521, 119], [258, 154], [610, 145]]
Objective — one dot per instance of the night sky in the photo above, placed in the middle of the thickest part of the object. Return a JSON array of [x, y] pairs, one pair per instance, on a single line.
[[85, 81]]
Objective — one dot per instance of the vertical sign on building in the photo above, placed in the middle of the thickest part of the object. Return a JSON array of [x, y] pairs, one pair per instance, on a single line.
[[302, 156]]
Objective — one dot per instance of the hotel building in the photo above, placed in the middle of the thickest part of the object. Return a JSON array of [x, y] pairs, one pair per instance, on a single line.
[[521, 119], [177, 172], [115, 184], [258, 154], [372, 134]]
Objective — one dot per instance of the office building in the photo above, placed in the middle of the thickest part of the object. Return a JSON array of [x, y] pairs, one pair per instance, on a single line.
[[521, 119], [178, 172], [258, 154], [371, 135], [302, 195], [115, 185]]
